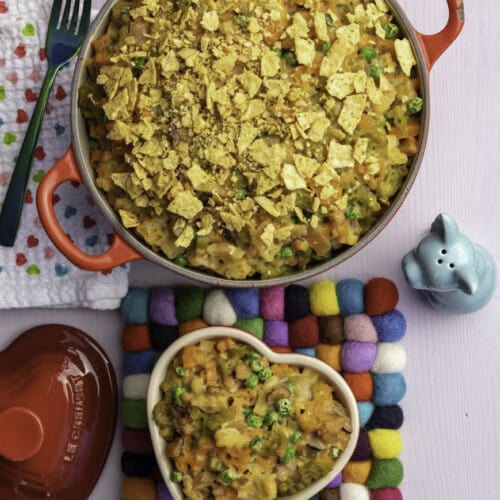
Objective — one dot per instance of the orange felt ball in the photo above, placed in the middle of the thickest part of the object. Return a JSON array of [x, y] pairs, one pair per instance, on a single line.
[[282, 349], [136, 338], [191, 326], [330, 354], [356, 472], [381, 296], [138, 488], [361, 385]]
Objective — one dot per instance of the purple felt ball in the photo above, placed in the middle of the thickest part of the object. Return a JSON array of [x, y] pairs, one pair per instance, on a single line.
[[162, 492], [357, 357], [359, 328], [335, 482], [162, 306], [272, 303], [390, 327], [276, 333], [363, 450]]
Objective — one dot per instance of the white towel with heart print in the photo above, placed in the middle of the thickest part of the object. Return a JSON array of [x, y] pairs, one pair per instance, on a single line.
[[34, 273]]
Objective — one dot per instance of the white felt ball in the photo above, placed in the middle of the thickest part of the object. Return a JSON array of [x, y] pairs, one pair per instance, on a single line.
[[217, 310], [136, 386], [390, 358], [354, 491]]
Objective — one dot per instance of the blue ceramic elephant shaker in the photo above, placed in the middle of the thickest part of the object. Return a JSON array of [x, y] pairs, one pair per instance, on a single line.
[[455, 274]]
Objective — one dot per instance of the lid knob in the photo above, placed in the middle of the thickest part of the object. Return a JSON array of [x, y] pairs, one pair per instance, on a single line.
[[21, 434]]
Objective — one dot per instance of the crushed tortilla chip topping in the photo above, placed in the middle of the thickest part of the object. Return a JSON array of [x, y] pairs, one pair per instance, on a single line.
[[223, 131]]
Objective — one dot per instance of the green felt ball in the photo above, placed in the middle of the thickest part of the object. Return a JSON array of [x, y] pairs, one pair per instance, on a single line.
[[252, 325], [189, 302], [134, 413], [385, 473]]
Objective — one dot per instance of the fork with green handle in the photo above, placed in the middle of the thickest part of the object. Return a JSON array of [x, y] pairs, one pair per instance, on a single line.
[[65, 35]]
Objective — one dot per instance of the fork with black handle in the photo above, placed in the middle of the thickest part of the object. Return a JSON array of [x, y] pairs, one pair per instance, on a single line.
[[65, 35]]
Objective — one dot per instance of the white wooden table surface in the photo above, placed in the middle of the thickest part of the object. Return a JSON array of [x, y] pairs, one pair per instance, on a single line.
[[451, 433]]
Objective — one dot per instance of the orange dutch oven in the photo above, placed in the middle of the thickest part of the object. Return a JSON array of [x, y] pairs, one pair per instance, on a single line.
[[127, 247]]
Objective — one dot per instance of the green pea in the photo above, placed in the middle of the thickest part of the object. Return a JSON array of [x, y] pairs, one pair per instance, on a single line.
[[335, 452], [256, 444], [241, 193], [242, 20], [391, 31], [369, 53], [247, 411], [229, 476], [256, 365], [265, 373], [176, 476], [283, 406], [324, 47], [296, 436], [181, 371], [286, 252], [271, 417], [415, 105], [352, 212], [254, 421], [289, 57], [125, 9], [177, 392], [181, 260], [329, 20], [139, 62], [251, 356], [375, 71], [290, 386], [252, 381], [289, 455]]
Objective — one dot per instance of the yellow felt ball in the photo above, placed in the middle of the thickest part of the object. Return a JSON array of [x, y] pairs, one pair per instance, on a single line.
[[385, 443], [357, 472], [330, 354], [323, 299]]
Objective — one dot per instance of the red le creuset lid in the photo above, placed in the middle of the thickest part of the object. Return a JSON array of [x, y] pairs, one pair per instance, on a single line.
[[58, 409]]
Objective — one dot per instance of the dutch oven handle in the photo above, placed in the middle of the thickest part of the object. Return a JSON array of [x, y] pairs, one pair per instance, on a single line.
[[434, 45], [66, 170]]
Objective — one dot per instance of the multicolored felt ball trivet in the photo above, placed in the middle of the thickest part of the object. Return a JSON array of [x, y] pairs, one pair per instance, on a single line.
[[353, 326]]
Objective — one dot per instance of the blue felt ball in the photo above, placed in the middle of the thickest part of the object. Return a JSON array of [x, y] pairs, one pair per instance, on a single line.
[[296, 302], [245, 302], [390, 327], [386, 417], [308, 351], [138, 362], [135, 306], [388, 388], [350, 294], [365, 410]]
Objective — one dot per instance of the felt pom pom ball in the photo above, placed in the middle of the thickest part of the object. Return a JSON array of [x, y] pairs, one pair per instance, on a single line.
[[390, 358], [388, 388], [350, 294], [381, 296], [359, 328], [358, 357], [217, 310], [390, 327], [353, 491], [385, 443], [135, 306], [386, 494], [162, 306]]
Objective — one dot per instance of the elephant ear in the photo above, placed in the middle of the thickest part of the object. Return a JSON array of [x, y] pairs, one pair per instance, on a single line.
[[446, 228], [467, 279]]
